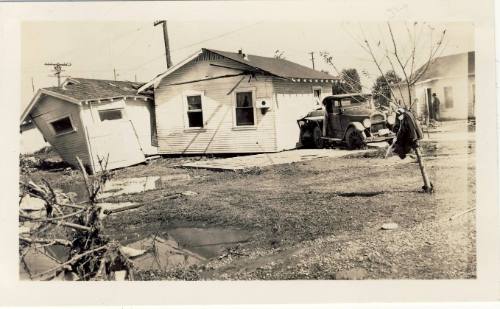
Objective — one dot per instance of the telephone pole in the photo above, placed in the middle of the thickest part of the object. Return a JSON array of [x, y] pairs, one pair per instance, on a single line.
[[114, 73], [58, 69], [165, 39], [312, 59]]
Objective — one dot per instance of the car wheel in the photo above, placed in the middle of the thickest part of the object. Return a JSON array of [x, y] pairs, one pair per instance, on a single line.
[[306, 138], [318, 141], [355, 139]]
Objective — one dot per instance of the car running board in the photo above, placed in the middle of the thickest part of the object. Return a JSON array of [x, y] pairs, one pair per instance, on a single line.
[[331, 139]]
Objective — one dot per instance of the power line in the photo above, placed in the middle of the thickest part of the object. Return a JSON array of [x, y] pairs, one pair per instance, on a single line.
[[58, 70], [194, 44], [312, 59], [165, 41]]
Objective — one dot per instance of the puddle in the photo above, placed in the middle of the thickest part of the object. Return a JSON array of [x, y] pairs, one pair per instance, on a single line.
[[354, 194], [208, 242], [116, 187], [162, 254], [435, 149]]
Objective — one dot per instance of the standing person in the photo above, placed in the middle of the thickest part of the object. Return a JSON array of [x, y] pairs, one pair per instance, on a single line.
[[435, 106]]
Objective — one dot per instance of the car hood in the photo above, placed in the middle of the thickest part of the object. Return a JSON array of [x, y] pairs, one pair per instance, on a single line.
[[358, 111]]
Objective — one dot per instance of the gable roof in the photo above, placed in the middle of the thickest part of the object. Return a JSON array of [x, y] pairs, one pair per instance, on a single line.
[[78, 90], [448, 65], [272, 66], [278, 67], [84, 89]]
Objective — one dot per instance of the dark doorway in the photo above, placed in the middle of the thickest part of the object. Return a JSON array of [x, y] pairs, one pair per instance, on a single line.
[[429, 109]]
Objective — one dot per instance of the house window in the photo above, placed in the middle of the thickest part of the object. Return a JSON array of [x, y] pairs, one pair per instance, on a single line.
[[317, 95], [244, 109], [110, 114], [317, 92], [194, 111], [448, 97], [63, 125]]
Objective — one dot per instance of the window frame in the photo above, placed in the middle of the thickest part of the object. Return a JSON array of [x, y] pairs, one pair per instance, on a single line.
[[318, 99], [122, 112], [56, 134], [186, 112], [254, 108]]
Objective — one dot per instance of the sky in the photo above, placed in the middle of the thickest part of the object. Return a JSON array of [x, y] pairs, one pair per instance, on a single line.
[[135, 50]]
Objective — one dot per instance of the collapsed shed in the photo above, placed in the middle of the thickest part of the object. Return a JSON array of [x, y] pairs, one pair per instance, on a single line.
[[94, 120], [224, 102]]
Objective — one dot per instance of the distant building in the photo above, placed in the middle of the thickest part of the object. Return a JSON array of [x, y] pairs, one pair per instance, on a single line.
[[225, 102], [94, 119], [452, 78]]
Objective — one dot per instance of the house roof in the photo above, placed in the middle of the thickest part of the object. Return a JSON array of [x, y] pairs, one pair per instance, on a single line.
[[78, 90], [277, 67], [448, 65]]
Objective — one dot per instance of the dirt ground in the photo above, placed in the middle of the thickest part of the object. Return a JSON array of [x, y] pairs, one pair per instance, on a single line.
[[319, 219]]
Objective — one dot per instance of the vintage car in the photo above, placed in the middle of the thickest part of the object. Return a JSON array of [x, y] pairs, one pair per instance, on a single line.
[[346, 118]]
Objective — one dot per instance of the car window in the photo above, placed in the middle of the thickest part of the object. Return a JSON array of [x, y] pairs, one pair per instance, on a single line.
[[356, 101], [331, 105]]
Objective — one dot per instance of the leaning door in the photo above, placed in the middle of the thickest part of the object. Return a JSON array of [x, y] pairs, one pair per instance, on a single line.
[[115, 140]]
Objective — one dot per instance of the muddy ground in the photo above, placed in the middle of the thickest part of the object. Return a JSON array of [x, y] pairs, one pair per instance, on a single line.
[[319, 219]]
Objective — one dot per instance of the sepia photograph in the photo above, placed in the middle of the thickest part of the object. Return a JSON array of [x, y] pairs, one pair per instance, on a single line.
[[171, 148], [156, 151]]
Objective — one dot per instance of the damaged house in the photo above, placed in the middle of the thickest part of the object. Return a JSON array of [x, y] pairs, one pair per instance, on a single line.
[[225, 102], [92, 119]]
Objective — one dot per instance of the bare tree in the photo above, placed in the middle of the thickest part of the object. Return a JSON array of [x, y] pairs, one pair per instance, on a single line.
[[406, 57]]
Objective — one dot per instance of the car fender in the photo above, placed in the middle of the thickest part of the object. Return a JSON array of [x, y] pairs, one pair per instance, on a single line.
[[357, 125]]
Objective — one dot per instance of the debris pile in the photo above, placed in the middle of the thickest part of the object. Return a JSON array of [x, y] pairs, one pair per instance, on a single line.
[[62, 240]]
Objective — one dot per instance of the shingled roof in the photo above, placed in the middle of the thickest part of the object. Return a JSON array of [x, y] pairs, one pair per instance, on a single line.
[[78, 90], [84, 89], [269, 65], [274, 66], [450, 65]]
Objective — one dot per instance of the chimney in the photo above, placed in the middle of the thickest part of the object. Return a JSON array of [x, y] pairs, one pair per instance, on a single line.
[[240, 51]]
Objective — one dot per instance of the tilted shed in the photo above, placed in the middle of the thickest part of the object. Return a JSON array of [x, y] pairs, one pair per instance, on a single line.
[[223, 102], [95, 120]]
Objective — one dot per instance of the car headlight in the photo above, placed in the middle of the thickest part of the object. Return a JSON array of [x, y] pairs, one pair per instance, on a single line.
[[367, 123], [391, 119]]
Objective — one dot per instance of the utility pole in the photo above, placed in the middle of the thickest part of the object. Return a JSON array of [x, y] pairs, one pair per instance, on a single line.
[[165, 38], [312, 59], [58, 69], [114, 72]]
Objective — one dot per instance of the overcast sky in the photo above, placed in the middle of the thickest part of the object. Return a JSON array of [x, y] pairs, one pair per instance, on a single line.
[[136, 49]]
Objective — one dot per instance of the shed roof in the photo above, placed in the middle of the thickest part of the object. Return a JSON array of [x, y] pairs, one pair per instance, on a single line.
[[78, 90], [84, 89]]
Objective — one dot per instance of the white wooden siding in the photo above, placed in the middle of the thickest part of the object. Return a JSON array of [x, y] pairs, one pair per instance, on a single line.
[[140, 112], [116, 141], [294, 101], [69, 145], [460, 88], [219, 134]]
